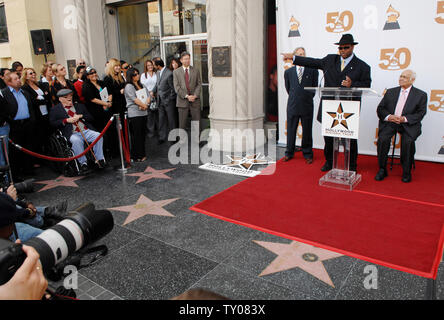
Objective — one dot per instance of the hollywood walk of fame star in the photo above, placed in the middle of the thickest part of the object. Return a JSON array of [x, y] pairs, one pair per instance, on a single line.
[[60, 182], [248, 162], [144, 207], [299, 255], [151, 173], [340, 117]]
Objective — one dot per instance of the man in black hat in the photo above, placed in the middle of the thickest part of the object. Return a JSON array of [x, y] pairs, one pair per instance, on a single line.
[[340, 70], [74, 121]]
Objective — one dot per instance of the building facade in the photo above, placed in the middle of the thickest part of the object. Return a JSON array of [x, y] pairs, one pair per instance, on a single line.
[[134, 31]]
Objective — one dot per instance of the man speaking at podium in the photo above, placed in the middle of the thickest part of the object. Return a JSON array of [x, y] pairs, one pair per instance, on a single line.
[[340, 70]]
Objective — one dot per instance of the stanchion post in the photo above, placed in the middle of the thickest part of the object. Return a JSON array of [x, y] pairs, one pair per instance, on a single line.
[[4, 146], [119, 134], [128, 132]]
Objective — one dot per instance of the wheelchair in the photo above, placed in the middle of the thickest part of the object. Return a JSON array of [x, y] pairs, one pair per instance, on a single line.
[[60, 147]]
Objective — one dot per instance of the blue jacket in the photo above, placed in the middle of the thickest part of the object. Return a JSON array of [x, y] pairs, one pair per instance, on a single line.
[[300, 101]]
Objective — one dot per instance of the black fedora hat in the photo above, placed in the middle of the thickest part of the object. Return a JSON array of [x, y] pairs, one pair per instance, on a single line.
[[347, 39]]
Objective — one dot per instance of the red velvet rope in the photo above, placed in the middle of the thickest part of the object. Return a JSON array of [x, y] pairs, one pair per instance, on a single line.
[[31, 153]]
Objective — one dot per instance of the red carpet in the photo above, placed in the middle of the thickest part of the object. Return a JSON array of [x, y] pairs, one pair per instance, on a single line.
[[387, 223]]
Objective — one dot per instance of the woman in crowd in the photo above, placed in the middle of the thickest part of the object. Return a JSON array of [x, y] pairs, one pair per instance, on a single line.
[[149, 80], [46, 77], [60, 82], [115, 84], [80, 71], [174, 64], [100, 110], [41, 104], [125, 67], [137, 114]]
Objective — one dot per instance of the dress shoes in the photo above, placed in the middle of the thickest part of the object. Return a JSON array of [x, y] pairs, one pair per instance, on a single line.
[[406, 178], [381, 175], [309, 161], [286, 159], [327, 167]]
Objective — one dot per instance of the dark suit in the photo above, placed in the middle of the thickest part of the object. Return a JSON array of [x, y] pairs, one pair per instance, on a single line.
[[166, 101], [58, 114], [300, 108], [360, 74], [414, 110], [22, 131]]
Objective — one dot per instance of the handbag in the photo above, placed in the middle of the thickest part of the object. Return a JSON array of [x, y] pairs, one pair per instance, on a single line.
[[153, 105]]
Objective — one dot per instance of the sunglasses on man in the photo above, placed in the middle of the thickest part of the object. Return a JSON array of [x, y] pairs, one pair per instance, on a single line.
[[344, 48]]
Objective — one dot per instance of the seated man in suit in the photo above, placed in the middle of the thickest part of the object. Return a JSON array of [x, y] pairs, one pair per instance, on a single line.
[[401, 110], [300, 107], [74, 121]]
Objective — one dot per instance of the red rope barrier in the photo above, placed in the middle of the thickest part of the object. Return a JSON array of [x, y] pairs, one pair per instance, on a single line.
[[31, 153]]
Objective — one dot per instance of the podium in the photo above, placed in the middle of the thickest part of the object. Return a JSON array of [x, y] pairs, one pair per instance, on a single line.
[[340, 120]]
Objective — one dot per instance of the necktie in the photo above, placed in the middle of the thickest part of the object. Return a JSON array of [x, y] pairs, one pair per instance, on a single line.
[[187, 81], [300, 74], [401, 103], [342, 65]]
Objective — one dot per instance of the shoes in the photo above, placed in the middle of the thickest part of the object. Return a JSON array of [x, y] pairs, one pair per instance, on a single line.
[[309, 161], [142, 160], [84, 169], [406, 178], [287, 158], [327, 167], [381, 175], [59, 212]]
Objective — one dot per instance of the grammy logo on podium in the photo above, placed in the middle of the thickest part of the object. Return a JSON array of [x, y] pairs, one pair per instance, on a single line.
[[294, 28], [392, 19]]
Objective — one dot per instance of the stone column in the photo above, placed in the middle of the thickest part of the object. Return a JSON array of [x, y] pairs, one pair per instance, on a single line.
[[237, 102]]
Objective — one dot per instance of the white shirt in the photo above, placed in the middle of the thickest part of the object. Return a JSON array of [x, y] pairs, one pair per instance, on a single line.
[[149, 81]]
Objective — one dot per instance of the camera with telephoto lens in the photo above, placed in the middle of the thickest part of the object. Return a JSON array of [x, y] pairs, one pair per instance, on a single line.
[[81, 228], [22, 187]]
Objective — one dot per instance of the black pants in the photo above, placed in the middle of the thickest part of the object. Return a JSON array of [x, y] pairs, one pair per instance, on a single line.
[[307, 136], [167, 118], [137, 128], [22, 133], [328, 152], [152, 123], [408, 147]]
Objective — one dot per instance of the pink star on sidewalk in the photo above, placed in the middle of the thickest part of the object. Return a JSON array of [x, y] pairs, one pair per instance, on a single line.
[[144, 207], [60, 182], [299, 255], [151, 173]]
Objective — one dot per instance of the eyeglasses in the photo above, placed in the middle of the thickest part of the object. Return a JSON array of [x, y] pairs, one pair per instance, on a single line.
[[344, 48]]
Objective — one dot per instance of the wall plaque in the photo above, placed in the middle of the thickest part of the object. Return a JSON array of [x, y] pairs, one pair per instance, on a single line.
[[221, 57]]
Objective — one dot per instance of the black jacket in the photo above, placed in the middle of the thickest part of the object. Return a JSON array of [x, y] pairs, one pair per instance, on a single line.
[[58, 114], [300, 101], [415, 110], [37, 103], [10, 107], [357, 70], [9, 212]]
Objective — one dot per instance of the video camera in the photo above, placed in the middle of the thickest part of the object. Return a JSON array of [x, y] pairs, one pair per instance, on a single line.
[[81, 228]]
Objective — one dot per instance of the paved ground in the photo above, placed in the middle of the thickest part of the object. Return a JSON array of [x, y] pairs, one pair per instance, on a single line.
[[161, 249]]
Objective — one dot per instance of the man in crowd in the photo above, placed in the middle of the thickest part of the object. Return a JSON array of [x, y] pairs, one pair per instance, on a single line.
[[188, 85], [300, 107], [75, 123], [18, 112], [401, 111], [344, 70], [3, 73], [17, 67], [166, 99]]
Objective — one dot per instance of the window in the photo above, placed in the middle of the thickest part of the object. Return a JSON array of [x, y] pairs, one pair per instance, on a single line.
[[3, 27], [182, 17]]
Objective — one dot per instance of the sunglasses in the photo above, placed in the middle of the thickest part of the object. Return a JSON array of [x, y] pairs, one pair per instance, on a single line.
[[344, 48], [125, 68]]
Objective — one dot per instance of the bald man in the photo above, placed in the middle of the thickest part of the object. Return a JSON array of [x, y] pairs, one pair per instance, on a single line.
[[401, 110]]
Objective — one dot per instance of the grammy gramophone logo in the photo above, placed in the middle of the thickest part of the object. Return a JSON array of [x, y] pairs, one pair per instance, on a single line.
[[392, 19], [294, 28]]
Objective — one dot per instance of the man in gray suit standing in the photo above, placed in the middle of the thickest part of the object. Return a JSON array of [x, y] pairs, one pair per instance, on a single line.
[[164, 90], [188, 85]]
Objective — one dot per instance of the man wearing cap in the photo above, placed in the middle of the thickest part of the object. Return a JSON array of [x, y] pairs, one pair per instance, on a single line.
[[340, 70], [74, 121]]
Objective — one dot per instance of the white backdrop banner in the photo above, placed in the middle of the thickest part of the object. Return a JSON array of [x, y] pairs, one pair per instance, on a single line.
[[393, 35]]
